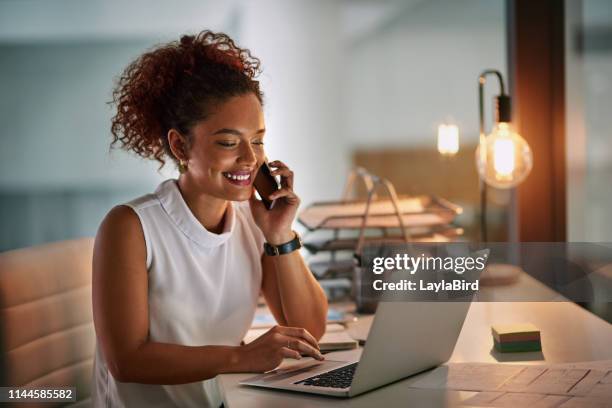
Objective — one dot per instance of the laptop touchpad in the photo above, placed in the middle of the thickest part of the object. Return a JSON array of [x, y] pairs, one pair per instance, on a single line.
[[307, 367]]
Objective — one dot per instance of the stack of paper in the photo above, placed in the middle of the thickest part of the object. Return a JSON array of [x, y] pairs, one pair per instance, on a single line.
[[516, 337], [336, 338]]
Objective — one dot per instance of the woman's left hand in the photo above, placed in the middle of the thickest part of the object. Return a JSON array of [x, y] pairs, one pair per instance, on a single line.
[[276, 223]]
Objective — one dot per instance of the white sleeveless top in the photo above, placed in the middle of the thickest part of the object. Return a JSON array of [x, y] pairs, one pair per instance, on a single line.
[[203, 290]]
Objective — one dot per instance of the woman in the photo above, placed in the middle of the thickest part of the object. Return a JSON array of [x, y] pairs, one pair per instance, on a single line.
[[177, 273]]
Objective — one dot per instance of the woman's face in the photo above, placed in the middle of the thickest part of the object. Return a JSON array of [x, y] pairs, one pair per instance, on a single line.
[[227, 149]]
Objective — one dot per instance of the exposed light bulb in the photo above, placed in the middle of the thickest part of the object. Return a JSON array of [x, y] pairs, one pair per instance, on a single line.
[[448, 140], [503, 159], [506, 159]]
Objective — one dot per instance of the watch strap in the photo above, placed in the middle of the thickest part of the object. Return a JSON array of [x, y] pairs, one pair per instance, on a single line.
[[282, 249]]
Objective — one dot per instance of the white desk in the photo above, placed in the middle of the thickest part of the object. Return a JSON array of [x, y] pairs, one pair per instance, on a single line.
[[569, 334]]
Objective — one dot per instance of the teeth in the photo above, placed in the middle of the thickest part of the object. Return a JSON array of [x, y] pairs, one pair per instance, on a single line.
[[237, 177]]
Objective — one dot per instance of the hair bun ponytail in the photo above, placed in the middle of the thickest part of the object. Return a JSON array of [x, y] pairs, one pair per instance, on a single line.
[[175, 85]]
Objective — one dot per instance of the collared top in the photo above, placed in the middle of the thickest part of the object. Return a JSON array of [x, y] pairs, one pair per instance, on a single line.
[[202, 290]]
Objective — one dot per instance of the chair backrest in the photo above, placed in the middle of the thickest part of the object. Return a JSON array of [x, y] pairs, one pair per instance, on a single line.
[[46, 326]]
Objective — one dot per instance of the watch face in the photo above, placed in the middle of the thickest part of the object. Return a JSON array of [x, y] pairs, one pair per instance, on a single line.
[[287, 247], [270, 250]]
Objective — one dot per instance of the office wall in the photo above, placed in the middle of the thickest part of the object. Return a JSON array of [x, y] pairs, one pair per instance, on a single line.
[[590, 129], [56, 118], [418, 68], [334, 80], [414, 69], [300, 45], [57, 178]]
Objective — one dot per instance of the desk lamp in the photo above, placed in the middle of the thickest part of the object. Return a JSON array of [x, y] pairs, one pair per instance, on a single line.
[[503, 157], [503, 160]]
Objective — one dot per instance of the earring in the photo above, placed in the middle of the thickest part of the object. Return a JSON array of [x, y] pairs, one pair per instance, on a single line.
[[182, 167]]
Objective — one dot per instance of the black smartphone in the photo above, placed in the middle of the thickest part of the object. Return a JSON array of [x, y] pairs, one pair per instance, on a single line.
[[266, 184]]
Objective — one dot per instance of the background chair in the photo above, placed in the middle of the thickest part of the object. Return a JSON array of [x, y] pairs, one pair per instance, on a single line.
[[47, 336]]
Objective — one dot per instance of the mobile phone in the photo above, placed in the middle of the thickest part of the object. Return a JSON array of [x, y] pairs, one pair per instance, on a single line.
[[266, 184]]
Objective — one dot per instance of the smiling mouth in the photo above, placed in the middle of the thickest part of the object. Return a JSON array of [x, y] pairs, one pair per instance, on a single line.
[[238, 177]]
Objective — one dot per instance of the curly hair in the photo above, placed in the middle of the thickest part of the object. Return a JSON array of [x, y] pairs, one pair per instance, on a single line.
[[175, 85]]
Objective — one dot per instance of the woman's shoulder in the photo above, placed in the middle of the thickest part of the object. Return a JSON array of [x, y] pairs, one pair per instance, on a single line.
[[119, 221], [142, 202], [120, 229], [124, 221], [147, 201]]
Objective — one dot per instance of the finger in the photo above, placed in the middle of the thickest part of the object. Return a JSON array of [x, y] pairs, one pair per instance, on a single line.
[[304, 348], [284, 192], [299, 332], [288, 198], [286, 176], [278, 164], [281, 171], [288, 353]]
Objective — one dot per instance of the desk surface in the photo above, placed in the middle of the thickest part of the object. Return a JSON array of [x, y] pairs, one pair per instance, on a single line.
[[569, 334]]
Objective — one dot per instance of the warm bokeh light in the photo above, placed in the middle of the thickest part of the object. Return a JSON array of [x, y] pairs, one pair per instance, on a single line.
[[448, 140], [506, 159], [503, 158]]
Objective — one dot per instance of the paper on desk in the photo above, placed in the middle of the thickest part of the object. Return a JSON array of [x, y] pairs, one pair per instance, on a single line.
[[588, 381], [337, 340], [604, 365], [501, 399], [468, 376], [581, 402]]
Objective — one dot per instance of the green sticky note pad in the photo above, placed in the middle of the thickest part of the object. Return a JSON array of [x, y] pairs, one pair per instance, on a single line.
[[521, 332], [517, 346]]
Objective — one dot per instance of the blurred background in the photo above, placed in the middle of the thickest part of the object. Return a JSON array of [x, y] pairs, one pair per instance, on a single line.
[[346, 82]]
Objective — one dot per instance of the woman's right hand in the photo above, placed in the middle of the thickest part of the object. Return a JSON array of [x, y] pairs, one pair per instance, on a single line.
[[267, 351]]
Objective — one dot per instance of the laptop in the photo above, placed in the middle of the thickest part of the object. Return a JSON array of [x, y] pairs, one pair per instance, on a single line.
[[405, 339]]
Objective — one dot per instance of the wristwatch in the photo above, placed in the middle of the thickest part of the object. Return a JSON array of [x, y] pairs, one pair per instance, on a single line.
[[282, 249]]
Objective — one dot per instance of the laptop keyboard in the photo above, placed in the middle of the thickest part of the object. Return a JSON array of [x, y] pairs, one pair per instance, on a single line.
[[338, 378]]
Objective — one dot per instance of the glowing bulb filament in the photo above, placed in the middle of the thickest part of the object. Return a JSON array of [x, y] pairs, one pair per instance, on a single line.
[[503, 158], [448, 139]]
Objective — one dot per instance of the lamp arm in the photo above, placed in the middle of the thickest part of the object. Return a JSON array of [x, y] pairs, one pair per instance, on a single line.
[[482, 79]]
